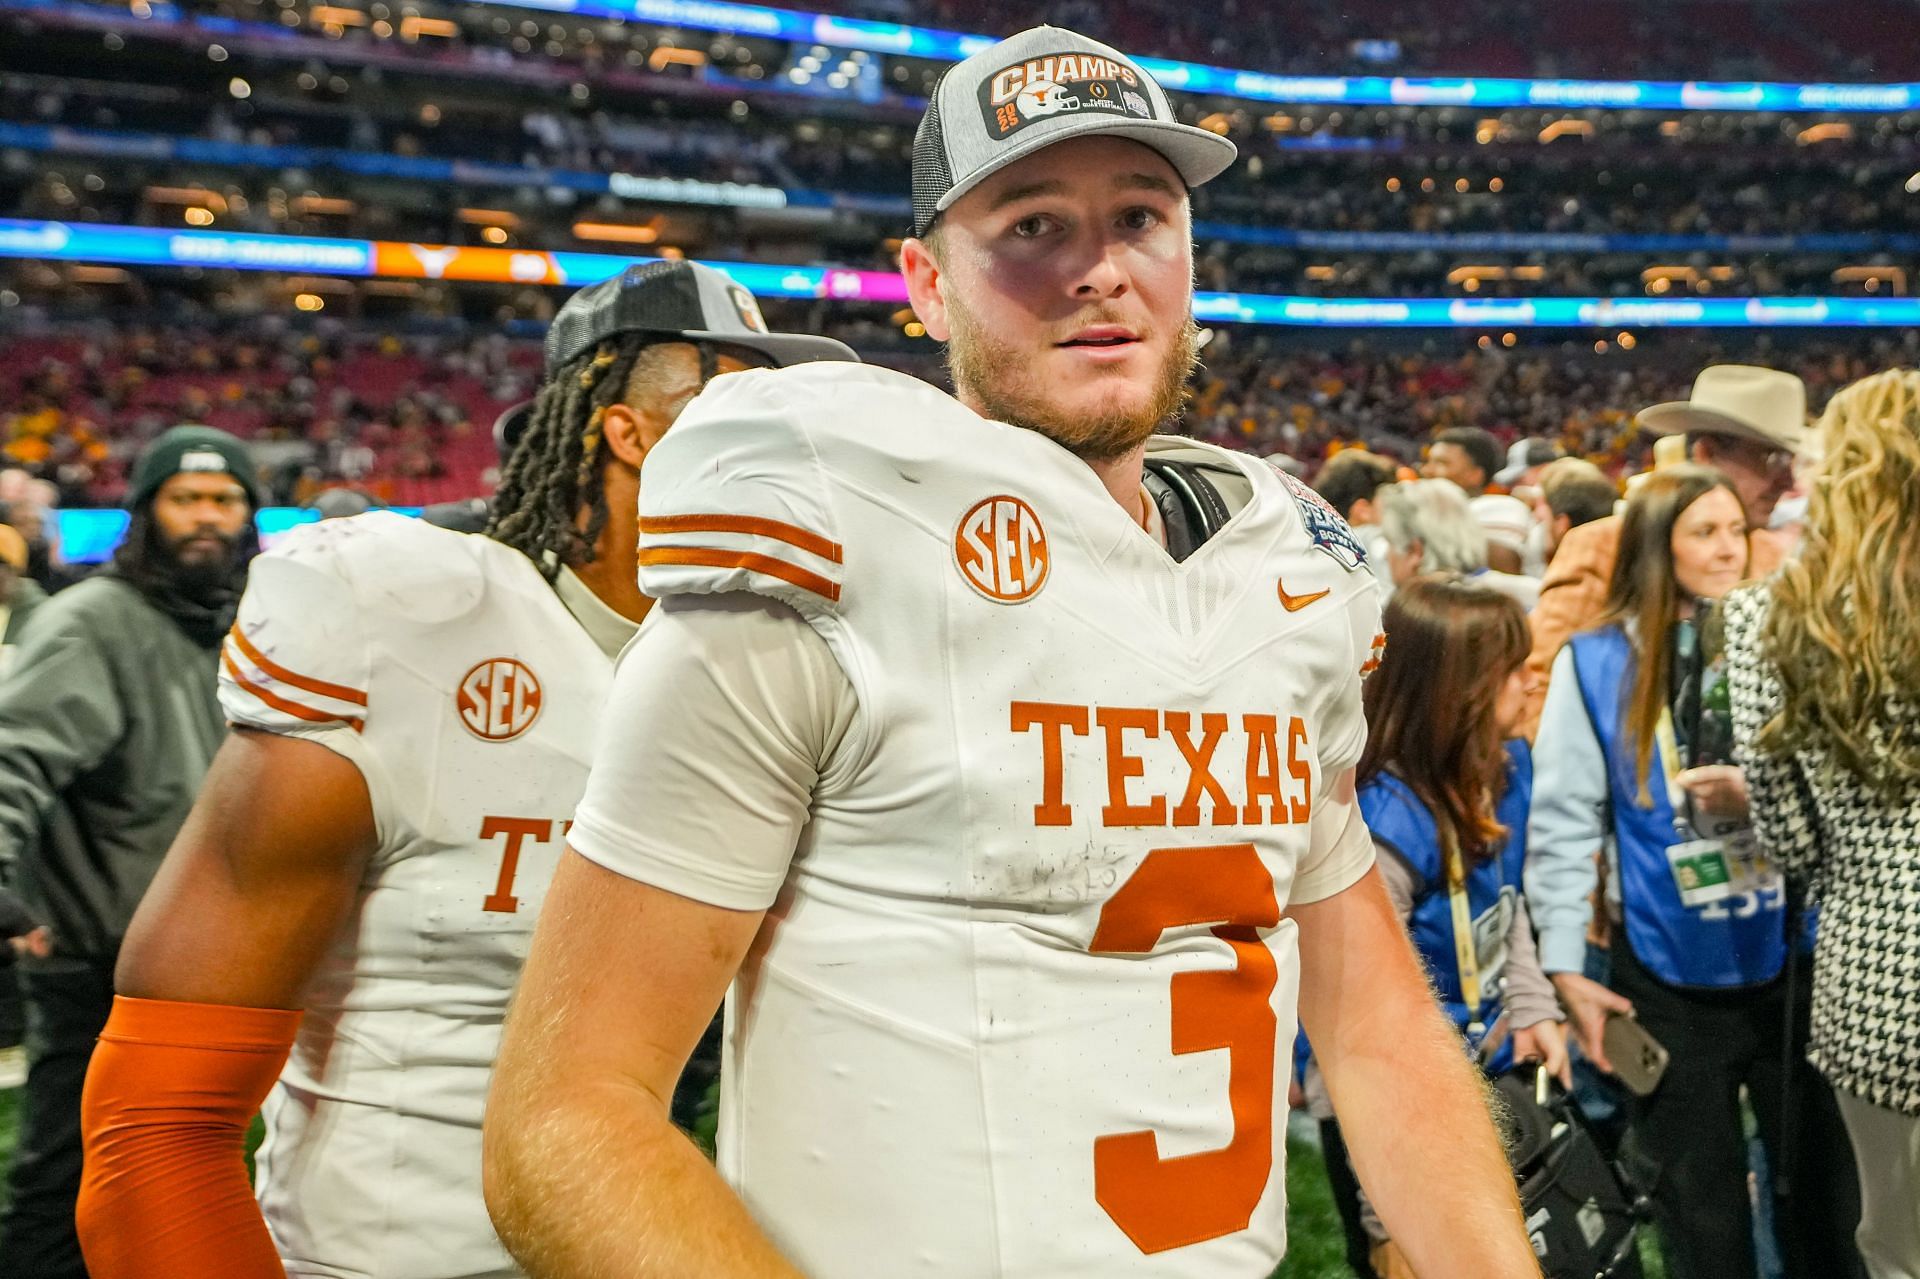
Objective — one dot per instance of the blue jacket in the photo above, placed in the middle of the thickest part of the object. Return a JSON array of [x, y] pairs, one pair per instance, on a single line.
[[1401, 820], [1727, 944]]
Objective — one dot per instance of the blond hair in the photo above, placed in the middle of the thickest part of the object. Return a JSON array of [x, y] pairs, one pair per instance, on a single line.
[[1844, 629]]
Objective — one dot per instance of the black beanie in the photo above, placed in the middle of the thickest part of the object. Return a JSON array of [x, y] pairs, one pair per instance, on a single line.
[[192, 450]]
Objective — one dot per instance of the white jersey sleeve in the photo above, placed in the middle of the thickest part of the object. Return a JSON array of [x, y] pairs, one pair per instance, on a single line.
[[735, 499], [714, 809], [1342, 850], [297, 660]]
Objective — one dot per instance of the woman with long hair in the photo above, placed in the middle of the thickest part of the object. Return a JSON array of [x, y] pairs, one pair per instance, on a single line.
[[1632, 757], [1444, 788], [1824, 663]]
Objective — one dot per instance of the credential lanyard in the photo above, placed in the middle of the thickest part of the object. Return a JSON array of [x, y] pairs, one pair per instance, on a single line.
[[1466, 957], [1669, 744]]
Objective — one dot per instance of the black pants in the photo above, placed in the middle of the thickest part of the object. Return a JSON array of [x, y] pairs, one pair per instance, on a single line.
[[1346, 1198], [697, 1080], [1687, 1141], [13, 1013], [65, 1013]]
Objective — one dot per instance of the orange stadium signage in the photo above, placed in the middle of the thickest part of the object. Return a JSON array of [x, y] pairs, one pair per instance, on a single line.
[[459, 262]]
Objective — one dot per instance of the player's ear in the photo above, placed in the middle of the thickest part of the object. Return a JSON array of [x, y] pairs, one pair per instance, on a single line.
[[627, 434], [924, 279]]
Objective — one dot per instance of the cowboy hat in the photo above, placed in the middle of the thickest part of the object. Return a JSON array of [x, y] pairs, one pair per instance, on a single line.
[[1764, 405]]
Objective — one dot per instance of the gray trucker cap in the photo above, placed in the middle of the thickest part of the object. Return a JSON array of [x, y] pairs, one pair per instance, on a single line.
[[1035, 89]]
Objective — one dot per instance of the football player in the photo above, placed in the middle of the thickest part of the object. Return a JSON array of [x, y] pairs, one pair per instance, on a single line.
[[412, 711], [1001, 754]]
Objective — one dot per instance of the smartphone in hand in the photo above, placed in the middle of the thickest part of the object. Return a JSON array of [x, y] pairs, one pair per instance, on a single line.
[[1638, 1058]]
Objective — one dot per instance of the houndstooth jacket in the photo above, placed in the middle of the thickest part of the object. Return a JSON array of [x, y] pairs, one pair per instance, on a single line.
[[1862, 857]]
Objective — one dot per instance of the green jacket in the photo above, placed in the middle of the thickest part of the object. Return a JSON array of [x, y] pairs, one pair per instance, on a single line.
[[27, 596], [108, 720]]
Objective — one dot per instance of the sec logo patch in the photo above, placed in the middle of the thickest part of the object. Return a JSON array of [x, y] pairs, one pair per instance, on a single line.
[[1001, 550], [498, 699]]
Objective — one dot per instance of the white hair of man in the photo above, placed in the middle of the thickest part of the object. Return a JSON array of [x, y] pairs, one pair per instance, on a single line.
[[1435, 514]]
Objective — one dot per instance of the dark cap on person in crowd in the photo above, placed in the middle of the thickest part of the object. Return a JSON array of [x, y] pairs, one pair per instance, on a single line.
[[1029, 91], [680, 301], [342, 503], [190, 450], [1523, 457]]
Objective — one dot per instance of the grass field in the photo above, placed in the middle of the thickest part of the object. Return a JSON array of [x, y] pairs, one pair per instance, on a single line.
[[1317, 1249]]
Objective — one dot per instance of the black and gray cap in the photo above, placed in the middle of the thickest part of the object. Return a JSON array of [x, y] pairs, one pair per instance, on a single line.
[[680, 301], [1035, 89]]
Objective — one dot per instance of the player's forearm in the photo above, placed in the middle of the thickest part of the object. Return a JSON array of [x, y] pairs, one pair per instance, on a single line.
[[1413, 1111], [169, 1093], [598, 1184]]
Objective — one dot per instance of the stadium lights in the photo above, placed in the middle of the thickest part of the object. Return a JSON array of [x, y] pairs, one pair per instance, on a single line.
[[1474, 274], [615, 232], [99, 275], [186, 195], [1832, 131], [1566, 129], [325, 206], [328, 15], [665, 56], [413, 27], [1873, 278]]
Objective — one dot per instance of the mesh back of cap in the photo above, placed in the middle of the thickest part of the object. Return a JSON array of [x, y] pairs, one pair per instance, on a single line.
[[932, 175]]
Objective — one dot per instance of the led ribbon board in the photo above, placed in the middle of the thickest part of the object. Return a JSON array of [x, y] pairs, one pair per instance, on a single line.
[[1479, 92], [148, 246]]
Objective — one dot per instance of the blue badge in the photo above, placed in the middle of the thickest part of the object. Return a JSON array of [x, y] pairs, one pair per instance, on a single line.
[[1329, 532]]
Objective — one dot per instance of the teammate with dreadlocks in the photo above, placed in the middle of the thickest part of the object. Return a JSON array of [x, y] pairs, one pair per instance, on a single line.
[[357, 883]]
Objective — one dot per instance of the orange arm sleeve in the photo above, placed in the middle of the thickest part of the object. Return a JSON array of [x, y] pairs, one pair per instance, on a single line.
[[169, 1094]]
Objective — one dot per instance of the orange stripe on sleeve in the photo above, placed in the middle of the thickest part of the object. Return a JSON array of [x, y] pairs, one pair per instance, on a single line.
[[706, 557], [279, 703], [749, 524], [285, 676]]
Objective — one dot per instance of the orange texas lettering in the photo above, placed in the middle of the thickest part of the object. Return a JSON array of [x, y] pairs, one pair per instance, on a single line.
[[1162, 768]]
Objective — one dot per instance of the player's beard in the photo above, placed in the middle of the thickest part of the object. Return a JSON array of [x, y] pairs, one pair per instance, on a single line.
[[1004, 387]]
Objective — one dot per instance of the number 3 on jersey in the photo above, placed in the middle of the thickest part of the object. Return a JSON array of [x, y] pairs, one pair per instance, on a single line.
[[1171, 1203]]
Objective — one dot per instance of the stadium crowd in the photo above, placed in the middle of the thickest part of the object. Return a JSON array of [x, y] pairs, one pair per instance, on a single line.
[[1601, 798]]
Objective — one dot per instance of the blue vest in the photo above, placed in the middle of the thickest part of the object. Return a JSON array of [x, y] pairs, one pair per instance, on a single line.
[[1741, 942], [1401, 820]]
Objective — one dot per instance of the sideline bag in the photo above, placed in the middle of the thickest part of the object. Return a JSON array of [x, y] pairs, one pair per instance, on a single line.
[[1582, 1210]]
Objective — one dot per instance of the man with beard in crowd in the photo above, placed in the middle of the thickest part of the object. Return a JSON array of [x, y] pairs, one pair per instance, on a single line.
[[108, 720]]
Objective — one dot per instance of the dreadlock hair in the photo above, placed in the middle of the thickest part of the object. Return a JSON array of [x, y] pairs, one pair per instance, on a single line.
[[558, 467]]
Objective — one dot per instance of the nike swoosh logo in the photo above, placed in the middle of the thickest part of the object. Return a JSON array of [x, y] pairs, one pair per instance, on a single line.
[[1294, 603]]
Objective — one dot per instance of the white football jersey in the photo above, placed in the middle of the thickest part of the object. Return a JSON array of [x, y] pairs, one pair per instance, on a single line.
[[1024, 1004], [448, 670]]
